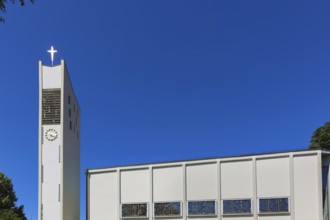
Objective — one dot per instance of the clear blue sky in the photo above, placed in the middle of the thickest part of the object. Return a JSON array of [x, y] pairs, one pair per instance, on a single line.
[[166, 80]]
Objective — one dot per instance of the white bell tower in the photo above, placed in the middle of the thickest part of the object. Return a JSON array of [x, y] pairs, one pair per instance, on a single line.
[[59, 145]]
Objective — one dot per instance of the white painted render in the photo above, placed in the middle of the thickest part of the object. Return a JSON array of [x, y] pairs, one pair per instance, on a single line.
[[273, 177], [293, 175], [71, 150], [104, 208], [167, 179], [51, 176], [233, 174], [196, 184], [137, 190], [59, 185], [51, 77], [306, 187]]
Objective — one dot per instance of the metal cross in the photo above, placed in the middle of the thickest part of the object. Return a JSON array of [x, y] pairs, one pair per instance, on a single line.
[[52, 52]]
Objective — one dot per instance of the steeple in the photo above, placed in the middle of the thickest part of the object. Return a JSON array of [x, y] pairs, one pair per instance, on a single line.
[[59, 144]]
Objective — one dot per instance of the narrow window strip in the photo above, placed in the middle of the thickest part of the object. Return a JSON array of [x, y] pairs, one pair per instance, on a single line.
[[273, 205], [201, 208], [237, 206]]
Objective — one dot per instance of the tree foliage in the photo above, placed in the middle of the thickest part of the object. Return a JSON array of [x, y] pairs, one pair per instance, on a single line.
[[8, 208], [3, 4], [321, 138]]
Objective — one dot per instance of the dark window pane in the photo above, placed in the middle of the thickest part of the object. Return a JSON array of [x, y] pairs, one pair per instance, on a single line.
[[238, 206], [246, 206], [274, 205], [263, 205], [227, 206], [134, 210], [210, 207], [201, 208], [283, 205], [168, 209]]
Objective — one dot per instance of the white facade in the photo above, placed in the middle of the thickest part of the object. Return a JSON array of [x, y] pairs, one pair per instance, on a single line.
[[277, 186], [59, 145]]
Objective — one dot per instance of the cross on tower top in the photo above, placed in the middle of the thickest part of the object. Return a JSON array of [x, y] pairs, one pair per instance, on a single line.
[[52, 52]]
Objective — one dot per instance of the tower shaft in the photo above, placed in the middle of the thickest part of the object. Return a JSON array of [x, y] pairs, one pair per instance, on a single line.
[[59, 145]]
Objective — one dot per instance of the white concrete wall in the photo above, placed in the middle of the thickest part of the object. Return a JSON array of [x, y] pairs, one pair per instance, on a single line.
[[273, 181], [168, 184], [51, 175], [59, 160], [306, 188], [202, 182], [49, 164], [104, 200], [134, 186], [71, 150], [236, 180], [293, 175], [51, 77], [273, 178]]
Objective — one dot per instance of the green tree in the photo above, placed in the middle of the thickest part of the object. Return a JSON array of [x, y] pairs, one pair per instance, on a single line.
[[321, 138], [3, 4], [8, 208]]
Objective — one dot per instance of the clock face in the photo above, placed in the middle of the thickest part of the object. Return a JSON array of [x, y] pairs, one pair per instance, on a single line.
[[51, 134]]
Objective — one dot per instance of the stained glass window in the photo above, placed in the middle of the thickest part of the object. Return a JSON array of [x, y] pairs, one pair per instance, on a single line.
[[167, 208], [237, 206], [134, 210], [273, 205], [201, 208]]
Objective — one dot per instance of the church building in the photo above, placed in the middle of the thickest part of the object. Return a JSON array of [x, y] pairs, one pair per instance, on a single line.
[[289, 185], [276, 186]]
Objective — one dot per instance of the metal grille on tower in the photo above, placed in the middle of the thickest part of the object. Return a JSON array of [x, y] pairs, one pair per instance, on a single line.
[[51, 106]]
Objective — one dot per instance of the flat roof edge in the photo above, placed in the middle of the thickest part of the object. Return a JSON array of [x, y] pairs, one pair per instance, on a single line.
[[103, 169]]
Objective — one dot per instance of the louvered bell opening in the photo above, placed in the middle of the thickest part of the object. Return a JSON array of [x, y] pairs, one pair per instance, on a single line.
[[51, 106]]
